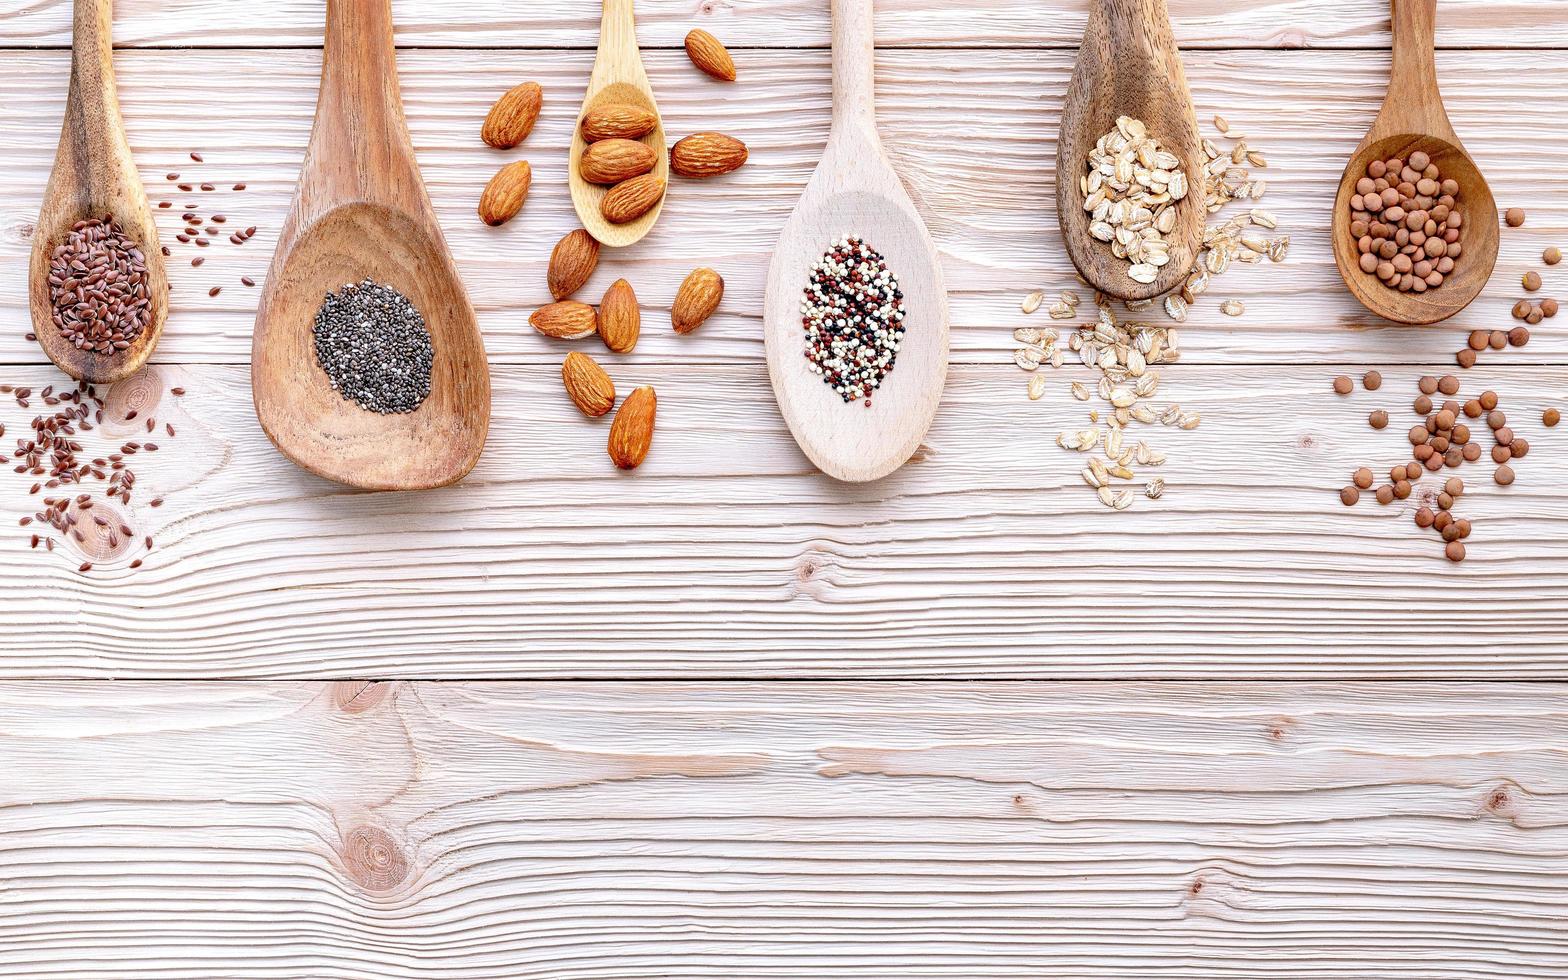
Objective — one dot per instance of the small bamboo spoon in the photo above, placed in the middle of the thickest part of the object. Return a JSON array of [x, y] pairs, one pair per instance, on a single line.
[[94, 177], [618, 77], [361, 210], [1128, 65], [1413, 118], [855, 191]]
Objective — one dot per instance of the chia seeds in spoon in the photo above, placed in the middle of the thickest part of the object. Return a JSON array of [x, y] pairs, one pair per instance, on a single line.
[[374, 347], [853, 316]]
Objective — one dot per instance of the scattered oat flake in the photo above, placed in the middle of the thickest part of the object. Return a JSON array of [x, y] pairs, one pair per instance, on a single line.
[[1032, 301], [1232, 307], [1036, 387]]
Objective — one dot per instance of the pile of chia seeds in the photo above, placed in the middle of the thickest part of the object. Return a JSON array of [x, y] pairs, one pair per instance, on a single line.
[[853, 316], [374, 347]]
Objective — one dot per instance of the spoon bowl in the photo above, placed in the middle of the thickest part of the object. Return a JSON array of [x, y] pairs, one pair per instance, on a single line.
[[361, 211], [94, 177], [1479, 240], [1413, 118], [1128, 65], [618, 77], [856, 191]]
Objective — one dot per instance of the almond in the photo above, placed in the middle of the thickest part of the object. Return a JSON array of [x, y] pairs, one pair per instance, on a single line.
[[571, 263], [619, 319], [696, 300], [512, 117], [709, 56], [587, 384], [504, 195], [566, 320], [615, 160], [617, 120], [707, 155], [632, 431], [631, 199]]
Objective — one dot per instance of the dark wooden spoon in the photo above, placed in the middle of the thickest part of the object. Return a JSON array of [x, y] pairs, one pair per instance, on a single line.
[[94, 177], [1413, 118], [361, 211], [1128, 65]]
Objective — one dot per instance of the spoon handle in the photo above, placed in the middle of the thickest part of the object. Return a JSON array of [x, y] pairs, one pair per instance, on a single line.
[[92, 135], [1413, 103], [854, 64]]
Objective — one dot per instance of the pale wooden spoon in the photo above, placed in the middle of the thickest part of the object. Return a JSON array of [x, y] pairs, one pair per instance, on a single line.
[[94, 177], [618, 77], [361, 210], [1128, 65], [855, 191], [1413, 118]]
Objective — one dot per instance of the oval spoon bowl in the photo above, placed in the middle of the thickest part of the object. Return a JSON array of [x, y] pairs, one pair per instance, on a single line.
[[1478, 238], [321, 430], [1128, 65]]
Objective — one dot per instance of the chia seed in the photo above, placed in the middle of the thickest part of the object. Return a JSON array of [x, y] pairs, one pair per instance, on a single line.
[[374, 347], [853, 316]]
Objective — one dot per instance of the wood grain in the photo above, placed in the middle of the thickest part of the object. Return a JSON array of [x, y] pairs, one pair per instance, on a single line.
[[779, 23], [983, 183], [394, 831], [726, 555]]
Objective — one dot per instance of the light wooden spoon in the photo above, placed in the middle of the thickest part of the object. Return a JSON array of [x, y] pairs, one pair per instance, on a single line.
[[1413, 118], [855, 191], [1128, 65], [94, 176], [361, 210], [618, 77]]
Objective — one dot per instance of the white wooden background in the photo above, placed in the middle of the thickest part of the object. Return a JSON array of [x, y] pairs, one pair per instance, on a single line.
[[1239, 732]]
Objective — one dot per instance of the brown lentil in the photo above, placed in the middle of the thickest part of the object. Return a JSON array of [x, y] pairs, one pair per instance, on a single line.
[[1423, 404], [1427, 385], [1349, 496], [1343, 385], [1519, 336], [1378, 419], [1465, 357], [1531, 281], [1385, 494], [1514, 217], [1362, 478], [1504, 475], [1551, 417]]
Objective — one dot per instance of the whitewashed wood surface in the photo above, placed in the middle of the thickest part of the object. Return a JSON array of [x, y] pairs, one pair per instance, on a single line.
[[566, 831]]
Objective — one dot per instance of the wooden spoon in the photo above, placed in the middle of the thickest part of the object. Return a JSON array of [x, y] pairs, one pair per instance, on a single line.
[[618, 77], [1413, 118], [855, 191], [94, 176], [1128, 65], [361, 210]]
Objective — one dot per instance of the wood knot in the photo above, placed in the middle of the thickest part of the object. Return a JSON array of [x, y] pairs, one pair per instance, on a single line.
[[1307, 442], [19, 233], [100, 530], [373, 859], [1502, 803], [139, 393], [1196, 887], [358, 697], [1279, 728]]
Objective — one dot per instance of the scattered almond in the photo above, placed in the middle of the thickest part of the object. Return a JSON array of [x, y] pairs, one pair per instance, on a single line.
[[575, 257], [696, 300], [707, 155], [512, 117], [632, 431], [503, 197], [631, 199], [614, 160], [566, 320], [710, 56], [617, 120], [619, 319], [587, 384]]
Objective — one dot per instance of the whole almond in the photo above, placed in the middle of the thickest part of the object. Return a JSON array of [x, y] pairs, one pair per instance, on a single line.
[[566, 320], [503, 197], [619, 319], [575, 257], [612, 161], [709, 56], [707, 155], [696, 300], [512, 117], [631, 199], [632, 431], [617, 120], [587, 384]]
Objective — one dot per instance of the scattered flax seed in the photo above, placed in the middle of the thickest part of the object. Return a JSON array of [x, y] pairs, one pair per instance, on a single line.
[[196, 157]]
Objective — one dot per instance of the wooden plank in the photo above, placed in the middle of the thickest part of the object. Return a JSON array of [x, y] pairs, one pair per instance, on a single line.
[[982, 173], [726, 555], [889, 830], [796, 23]]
